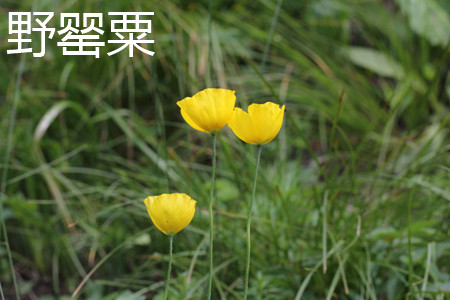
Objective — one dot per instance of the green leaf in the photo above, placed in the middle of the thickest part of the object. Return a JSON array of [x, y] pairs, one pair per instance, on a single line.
[[427, 19], [142, 240], [53, 113], [375, 61]]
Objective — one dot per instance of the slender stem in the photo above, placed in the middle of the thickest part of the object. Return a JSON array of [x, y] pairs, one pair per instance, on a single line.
[[324, 232], [175, 51], [269, 38], [210, 71], [249, 219], [211, 216], [1, 292], [169, 269], [410, 259], [6, 161]]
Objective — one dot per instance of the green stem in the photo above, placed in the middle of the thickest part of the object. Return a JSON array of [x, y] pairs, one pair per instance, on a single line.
[[210, 71], [1, 292], [175, 51], [324, 232], [410, 259], [166, 290], [211, 216], [269, 38], [249, 219], [6, 161]]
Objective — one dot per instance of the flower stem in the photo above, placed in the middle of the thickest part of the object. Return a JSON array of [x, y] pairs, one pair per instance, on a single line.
[[410, 258], [249, 219], [211, 217], [166, 290]]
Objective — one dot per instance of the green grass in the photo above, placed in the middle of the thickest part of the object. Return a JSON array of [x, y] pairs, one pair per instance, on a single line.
[[356, 181]]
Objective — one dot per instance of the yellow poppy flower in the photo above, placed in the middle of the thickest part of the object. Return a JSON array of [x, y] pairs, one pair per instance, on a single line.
[[208, 110], [170, 212], [260, 125]]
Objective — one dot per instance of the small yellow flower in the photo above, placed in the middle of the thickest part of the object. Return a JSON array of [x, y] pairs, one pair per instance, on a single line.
[[208, 110], [260, 125], [170, 212]]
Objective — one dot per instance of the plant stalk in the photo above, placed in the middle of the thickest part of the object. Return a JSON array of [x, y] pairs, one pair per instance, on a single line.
[[169, 269], [211, 216], [249, 219]]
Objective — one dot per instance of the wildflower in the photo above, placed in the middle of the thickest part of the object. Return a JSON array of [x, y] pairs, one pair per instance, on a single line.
[[170, 212], [260, 125], [208, 110]]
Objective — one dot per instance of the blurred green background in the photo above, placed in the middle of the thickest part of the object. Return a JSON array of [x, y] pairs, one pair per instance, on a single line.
[[353, 198]]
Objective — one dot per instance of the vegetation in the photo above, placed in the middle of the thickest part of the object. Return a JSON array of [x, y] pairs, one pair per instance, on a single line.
[[353, 195]]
